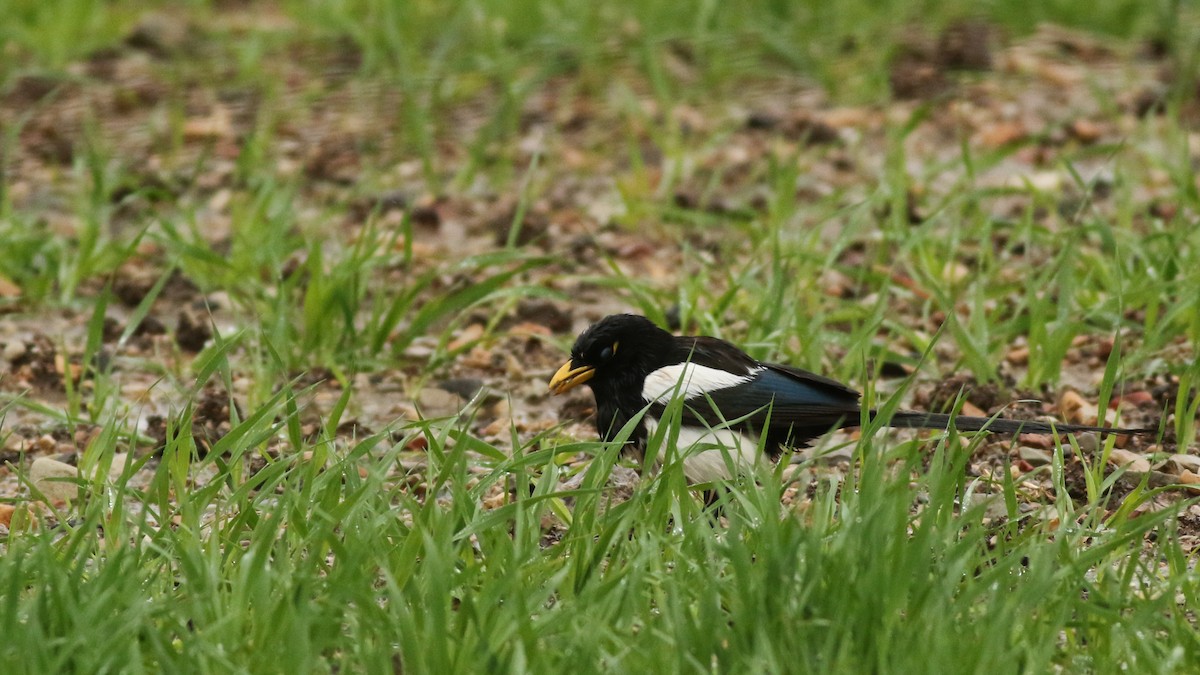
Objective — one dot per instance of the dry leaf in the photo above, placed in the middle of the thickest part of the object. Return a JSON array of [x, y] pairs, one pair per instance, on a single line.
[[1002, 134], [1134, 398], [8, 289], [468, 335], [972, 410], [1085, 131], [527, 328], [218, 124], [1075, 409], [1018, 356], [8, 513]]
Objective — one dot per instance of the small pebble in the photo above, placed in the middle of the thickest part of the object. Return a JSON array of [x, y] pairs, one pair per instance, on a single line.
[[1035, 456], [434, 402], [13, 350], [1130, 460], [49, 476], [1088, 442], [1185, 463]]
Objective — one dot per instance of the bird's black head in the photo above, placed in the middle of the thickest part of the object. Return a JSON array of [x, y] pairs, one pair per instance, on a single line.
[[618, 349]]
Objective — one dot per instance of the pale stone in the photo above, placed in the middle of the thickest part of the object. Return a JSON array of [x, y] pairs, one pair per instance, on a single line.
[[54, 479], [1130, 460]]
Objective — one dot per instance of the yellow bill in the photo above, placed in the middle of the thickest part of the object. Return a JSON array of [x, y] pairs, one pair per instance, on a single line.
[[568, 378]]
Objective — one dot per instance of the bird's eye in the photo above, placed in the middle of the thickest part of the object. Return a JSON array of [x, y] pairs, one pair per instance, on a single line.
[[607, 352]]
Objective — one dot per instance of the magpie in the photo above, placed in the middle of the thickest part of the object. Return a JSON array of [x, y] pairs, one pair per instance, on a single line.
[[733, 404]]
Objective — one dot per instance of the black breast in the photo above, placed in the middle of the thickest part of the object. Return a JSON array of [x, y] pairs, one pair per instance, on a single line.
[[613, 412]]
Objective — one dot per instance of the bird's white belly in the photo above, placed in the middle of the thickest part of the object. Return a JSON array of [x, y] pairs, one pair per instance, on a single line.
[[710, 454]]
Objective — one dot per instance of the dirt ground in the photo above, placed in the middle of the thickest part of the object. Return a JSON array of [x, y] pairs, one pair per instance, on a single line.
[[1052, 92]]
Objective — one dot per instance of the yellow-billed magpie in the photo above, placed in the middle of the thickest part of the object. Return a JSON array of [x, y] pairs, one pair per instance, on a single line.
[[730, 400]]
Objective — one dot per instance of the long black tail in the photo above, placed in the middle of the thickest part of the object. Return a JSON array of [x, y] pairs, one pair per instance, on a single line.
[[922, 420]]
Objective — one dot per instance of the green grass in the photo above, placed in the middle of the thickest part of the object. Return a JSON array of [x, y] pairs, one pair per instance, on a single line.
[[308, 566], [290, 546]]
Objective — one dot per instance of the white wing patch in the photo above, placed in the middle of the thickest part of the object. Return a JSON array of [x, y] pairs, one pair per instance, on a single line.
[[690, 380]]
